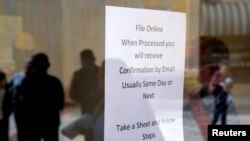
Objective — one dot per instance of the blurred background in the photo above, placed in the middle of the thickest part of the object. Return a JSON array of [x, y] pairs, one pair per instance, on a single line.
[[63, 28]]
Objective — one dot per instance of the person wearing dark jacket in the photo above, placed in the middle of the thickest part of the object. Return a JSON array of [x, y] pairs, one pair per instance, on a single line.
[[5, 107], [14, 84], [40, 102], [84, 86]]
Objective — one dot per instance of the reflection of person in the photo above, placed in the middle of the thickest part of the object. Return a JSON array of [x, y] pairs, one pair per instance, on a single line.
[[17, 78], [84, 89], [2, 91], [213, 51], [41, 100], [14, 83], [93, 120], [5, 107], [218, 87]]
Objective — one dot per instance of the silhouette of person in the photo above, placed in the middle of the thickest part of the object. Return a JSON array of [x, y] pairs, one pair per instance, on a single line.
[[213, 51], [17, 78], [90, 121], [42, 98], [84, 86], [14, 83], [217, 87], [5, 107]]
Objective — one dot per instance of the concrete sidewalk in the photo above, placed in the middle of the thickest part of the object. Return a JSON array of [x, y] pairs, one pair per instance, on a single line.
[[192, 130], [238, 111], [242, 104]]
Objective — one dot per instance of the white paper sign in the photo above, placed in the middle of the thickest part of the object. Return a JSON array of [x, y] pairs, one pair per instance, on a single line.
[[144, 74]]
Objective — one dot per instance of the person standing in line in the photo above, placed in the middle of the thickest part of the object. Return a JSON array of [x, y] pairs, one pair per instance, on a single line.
[[14, 84], [84, 86], [42, 98], [5, 108]]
